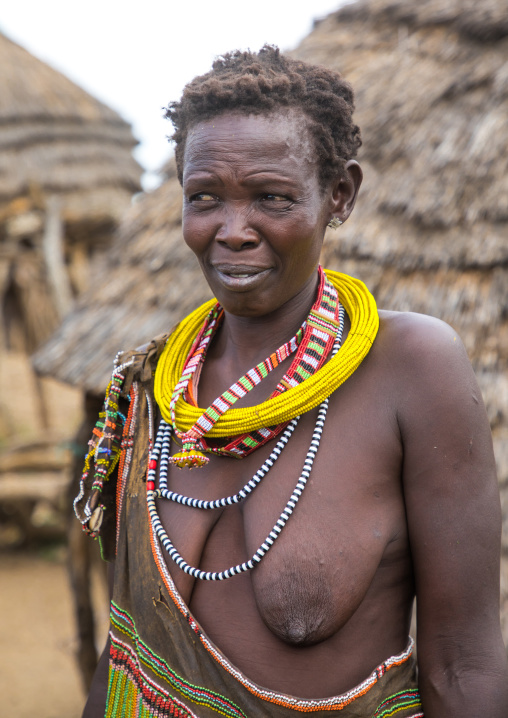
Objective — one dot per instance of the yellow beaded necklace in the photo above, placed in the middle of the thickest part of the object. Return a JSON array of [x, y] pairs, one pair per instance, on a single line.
[[362, 311]]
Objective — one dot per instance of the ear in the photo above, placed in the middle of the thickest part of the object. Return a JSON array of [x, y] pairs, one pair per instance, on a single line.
[[345, 191]]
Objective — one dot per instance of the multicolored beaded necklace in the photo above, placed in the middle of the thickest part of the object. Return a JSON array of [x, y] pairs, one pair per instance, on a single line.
[[361, 309], [314, 341], [160, 460]]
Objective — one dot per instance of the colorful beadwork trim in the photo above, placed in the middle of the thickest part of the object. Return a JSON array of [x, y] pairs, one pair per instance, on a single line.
[[126, 446], [398, 702], [131, 693], [128, 662]]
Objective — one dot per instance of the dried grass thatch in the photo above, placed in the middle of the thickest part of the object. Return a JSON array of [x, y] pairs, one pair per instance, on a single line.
[[61, 147], [430, 232], [57, 139]]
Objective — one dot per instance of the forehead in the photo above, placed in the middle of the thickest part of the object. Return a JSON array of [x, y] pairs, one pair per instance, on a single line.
[[274, 138]]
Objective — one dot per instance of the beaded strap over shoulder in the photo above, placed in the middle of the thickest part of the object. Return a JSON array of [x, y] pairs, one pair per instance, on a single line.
[[96, 502]]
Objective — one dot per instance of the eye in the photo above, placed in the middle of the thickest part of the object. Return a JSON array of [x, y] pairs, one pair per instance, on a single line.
[[202, 197], [276, 202], [275, 198]]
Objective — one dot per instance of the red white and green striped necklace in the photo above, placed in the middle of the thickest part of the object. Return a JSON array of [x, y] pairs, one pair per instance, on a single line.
[[312, 343]]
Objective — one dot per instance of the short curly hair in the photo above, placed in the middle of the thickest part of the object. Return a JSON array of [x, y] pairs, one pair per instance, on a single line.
[[265, 82]]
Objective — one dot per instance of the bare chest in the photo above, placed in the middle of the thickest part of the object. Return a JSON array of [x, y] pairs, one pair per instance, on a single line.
[[323, 561]]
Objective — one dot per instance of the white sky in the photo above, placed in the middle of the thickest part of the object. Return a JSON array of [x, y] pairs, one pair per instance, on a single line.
[[137, 56]]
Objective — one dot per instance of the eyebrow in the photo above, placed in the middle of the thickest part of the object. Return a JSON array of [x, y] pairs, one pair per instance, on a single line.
[[255, 178]]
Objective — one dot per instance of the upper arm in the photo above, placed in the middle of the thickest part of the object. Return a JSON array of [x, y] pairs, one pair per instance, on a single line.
[[452, 500]]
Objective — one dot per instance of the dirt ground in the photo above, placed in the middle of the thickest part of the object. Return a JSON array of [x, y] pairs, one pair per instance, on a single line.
[[38, 674]]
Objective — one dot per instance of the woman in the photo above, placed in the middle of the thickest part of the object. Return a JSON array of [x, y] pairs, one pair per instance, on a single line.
[[278, 577]]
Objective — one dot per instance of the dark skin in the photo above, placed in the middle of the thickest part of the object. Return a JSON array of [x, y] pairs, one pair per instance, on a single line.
[[403, 496]]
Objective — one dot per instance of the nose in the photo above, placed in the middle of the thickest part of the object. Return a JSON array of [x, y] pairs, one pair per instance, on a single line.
[[235, 231]]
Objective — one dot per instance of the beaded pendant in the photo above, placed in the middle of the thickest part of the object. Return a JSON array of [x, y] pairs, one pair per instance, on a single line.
[[190, 456]]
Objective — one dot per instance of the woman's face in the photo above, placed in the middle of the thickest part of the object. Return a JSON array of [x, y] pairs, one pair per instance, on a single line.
[[254, 213]]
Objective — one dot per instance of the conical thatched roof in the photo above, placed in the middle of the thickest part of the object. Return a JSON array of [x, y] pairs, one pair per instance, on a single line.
[[67, 175], [57, 139]]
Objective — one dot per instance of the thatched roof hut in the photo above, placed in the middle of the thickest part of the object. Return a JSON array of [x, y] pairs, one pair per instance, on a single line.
[[430, 231], [66, 176]]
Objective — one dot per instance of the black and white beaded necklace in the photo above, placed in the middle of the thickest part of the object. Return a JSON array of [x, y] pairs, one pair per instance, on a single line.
[[159, 460]]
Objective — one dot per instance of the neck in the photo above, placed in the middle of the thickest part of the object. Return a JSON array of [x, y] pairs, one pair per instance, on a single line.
[[248, 340]]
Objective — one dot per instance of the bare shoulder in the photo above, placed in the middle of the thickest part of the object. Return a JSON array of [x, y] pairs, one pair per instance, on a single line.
[[409, 333], [423, 353], [451, 499], [432, 386]]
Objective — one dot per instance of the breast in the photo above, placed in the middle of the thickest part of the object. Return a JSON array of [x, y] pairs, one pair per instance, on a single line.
[[306, 596], [318, 572], [298, 606]]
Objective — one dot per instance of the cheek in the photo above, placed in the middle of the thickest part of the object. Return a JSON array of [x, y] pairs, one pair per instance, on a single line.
[[301, 241], [193, 233]]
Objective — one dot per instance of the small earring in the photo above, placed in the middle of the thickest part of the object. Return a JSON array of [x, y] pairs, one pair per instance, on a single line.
[[334, 223]]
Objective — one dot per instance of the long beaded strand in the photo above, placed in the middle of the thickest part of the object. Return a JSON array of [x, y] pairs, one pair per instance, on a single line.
[[162, 444], [161, 449]]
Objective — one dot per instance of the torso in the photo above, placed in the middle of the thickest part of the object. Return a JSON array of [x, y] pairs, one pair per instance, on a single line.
[[332, 598]]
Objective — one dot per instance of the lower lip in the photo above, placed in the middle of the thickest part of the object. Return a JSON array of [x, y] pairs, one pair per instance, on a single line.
[[242, 284]]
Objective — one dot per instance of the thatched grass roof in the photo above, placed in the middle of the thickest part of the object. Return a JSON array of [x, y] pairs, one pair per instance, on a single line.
[[57, 139], [67, 174]]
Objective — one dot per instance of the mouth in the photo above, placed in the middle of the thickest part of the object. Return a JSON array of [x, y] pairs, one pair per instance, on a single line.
[[241, 276]]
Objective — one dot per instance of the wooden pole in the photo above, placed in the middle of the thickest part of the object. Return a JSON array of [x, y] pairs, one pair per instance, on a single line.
[[54, 257]]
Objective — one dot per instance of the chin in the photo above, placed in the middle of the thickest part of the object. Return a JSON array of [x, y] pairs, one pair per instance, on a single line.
[[242, 307]]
